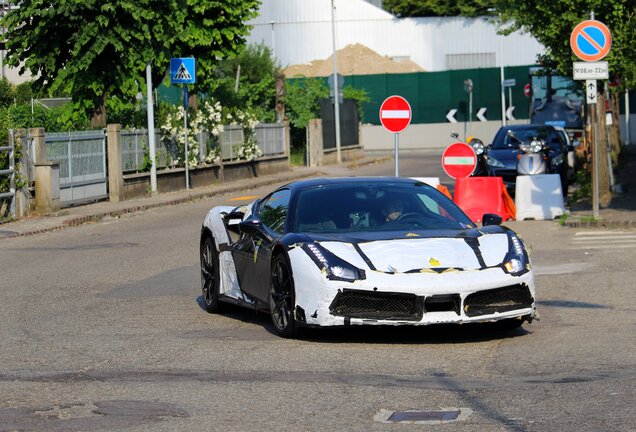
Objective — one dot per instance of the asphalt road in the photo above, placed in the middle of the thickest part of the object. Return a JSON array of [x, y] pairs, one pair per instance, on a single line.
[[103, 329]]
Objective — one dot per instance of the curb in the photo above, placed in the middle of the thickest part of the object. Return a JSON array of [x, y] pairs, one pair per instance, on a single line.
[[236, 186], [609, 224], [96, 217]]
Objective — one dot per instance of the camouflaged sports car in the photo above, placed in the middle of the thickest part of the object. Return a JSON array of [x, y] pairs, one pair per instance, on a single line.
[[364, 251]]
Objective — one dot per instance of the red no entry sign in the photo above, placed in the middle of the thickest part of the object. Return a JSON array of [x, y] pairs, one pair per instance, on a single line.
[[395, 114], [459, 160], [527, 90], [591, 40]]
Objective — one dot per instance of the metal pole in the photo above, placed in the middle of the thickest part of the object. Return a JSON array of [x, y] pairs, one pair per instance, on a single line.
[[12, 185], [470, 113], [336, 87], [509, 96], [608, 97], [185, 133], [396, 145], [501, 77], [627, 131], [150, 109], [273, 41], [595, 186]]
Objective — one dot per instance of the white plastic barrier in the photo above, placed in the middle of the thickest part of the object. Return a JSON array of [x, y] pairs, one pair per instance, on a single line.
[[432, 181], [539, 197]]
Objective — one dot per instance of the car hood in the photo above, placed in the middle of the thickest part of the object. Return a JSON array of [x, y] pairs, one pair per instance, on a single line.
[[416, 253], [508, 157]]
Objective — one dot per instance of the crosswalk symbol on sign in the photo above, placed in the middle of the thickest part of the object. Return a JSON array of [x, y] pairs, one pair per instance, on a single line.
[[182, 73]]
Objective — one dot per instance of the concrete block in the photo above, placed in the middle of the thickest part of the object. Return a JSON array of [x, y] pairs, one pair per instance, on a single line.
[[539, 197]]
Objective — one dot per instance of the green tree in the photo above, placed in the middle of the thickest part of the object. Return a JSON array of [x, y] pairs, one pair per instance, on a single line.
[[97, 50], [425, 8], [551, 23], [7, 93], [256, 90]]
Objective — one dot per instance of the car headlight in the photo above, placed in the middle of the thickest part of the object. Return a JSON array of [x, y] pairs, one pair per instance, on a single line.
[[557, 160], [478, 147], [494, 162], [335, 267], [516, 261]]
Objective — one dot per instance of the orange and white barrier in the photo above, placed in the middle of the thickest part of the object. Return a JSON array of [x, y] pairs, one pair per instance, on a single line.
[[479, 195]]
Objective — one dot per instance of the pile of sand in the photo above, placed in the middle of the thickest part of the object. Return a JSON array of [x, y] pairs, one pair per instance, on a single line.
[[353, 59]]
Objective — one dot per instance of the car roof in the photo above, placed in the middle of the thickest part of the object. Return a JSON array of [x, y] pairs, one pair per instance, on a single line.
[[528, 126], [321, 181]]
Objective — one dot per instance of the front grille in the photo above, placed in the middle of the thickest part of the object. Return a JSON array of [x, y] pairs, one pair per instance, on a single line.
[[376, 305], [498, 300], [442, 303]]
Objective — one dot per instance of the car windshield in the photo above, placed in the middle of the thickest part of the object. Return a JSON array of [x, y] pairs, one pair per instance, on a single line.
[[373, 206], [503, 141]]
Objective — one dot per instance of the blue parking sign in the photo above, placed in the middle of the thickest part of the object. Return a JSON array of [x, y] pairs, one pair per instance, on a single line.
[[182, 71]]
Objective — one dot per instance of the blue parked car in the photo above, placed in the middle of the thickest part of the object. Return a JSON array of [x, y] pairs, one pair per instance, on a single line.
[[504, 151]]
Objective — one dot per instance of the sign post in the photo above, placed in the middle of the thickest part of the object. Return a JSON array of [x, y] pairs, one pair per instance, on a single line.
[[183, 71], [591, 42], [459, 160], [395, 116]]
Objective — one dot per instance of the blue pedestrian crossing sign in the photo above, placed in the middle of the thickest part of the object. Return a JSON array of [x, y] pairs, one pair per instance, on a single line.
[[182, 70]]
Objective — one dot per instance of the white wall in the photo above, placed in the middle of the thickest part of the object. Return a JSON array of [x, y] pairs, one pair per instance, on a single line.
[[301, 32], [427, 135], [632, 129]]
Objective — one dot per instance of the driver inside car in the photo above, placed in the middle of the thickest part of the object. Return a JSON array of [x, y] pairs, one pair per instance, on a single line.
[[392, 210]]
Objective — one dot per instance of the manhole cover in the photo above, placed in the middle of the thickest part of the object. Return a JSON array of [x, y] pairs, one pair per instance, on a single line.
[[444, 415]]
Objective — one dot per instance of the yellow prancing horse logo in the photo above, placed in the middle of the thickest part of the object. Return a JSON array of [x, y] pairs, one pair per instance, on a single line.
[[434, 262]]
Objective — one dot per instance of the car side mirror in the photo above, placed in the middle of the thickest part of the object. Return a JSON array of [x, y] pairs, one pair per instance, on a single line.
[[251, 226], [491, 219], [232, 220]]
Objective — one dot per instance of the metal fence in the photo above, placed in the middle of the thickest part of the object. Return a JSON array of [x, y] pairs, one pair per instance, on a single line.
[[269, 137], [10, 174], [82, 157], [135, 150]]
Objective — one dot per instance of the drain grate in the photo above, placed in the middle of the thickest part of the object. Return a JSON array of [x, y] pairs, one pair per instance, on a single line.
[[444, 415], [400, 416]]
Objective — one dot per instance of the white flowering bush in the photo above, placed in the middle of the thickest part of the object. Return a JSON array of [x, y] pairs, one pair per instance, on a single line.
[[211, 117], [250, 149], [172, 129]]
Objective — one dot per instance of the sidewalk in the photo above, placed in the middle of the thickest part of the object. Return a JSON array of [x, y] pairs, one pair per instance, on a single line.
[[621, 213], [95, 212]]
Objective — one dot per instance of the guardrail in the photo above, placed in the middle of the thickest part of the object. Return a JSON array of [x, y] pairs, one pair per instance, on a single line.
[[9, 173]]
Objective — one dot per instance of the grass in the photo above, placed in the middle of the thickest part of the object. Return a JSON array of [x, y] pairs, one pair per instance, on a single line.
[[297, 157], [584, 181], [563, 218]]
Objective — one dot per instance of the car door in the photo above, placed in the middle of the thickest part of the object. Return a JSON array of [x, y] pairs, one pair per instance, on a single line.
[[252, 252]]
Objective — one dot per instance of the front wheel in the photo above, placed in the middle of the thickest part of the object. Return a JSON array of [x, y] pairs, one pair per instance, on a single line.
[[210, 275], [281, 298]]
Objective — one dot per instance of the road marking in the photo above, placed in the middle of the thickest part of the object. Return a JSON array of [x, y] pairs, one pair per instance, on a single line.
[[244, 198], [604, 240], [601, 233]]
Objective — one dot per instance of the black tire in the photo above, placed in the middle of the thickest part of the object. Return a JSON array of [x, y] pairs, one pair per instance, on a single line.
[[210, 275], [282, 298]]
